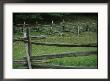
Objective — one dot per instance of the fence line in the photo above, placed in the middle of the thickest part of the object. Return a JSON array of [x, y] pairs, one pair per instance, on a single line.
[[58, 44], [64, 45], [53, 66], [61, 55], [39, 61], [41, 65]]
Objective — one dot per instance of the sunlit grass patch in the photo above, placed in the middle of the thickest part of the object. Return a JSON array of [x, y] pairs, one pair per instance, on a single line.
[[75, 61], [41, 50], [18, 50]]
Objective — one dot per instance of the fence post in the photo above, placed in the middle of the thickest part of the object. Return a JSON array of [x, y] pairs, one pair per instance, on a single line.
[[78, 30], [37, 27], [63, 25], [51, 28], [28, 48], [29, 42]]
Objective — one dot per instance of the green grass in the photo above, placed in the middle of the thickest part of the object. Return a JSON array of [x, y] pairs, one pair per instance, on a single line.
[[19, 50], [75, 61], [68, 38], [40, 50], [84, 38], [15, 35], [17, 66], [89, 61]]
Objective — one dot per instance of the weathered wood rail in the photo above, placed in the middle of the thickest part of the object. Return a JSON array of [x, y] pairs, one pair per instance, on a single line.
[[59, 44], [33, 61], [61, 55], [65, 45], [53, 66], [20, 61], [40, 37], [41, 61], [43, 58]]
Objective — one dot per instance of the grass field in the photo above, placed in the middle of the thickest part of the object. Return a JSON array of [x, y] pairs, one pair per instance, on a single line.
[[19, 50], [76, 61], [89, 61], [68, 38], [83, 38]]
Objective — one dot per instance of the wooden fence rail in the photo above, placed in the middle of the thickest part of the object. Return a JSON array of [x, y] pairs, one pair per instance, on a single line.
[[59, 44], [43, 65], [65, 45], [43, 58], [33, 61], [40, 37], [53, 66], [61, 55], [42, 62]]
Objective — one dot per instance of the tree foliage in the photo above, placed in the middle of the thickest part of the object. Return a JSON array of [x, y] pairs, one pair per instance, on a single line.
[[48, 17], [86, 21]]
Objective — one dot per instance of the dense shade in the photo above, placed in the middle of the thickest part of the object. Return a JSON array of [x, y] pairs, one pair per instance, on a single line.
[[48, 17]]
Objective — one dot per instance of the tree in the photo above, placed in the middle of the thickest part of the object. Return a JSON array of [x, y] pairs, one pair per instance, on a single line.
[[27, 17]]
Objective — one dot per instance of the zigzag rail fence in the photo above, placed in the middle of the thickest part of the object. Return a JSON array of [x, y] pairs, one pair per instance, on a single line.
[[33, 62]]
